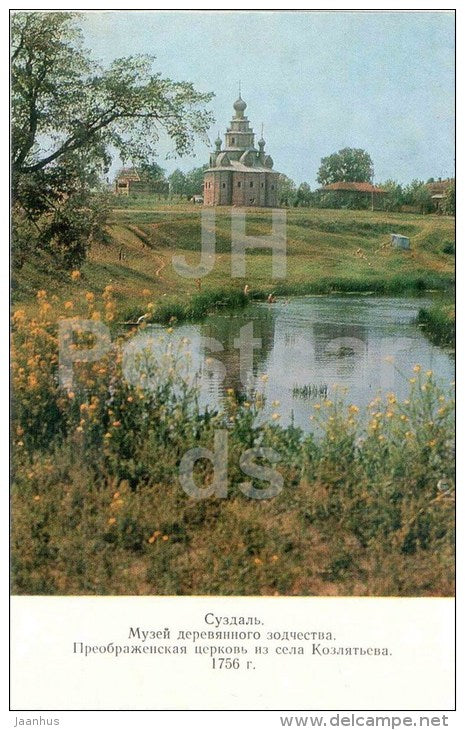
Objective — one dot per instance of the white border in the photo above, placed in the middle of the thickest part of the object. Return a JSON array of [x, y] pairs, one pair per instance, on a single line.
[[213, 719]]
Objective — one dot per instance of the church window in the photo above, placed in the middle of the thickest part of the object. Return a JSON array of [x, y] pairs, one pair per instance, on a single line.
[[224, 185], [262, 184], [239, 184], [251, 183], [233, 140]]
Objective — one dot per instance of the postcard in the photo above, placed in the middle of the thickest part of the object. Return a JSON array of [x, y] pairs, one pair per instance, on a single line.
[[233, 365]]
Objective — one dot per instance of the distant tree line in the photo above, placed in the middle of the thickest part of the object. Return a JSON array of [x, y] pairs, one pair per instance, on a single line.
[[415, 196], [356, 165], [154, 179], [187, 184]]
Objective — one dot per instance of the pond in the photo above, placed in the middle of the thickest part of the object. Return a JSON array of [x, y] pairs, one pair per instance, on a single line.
[[313, 347]]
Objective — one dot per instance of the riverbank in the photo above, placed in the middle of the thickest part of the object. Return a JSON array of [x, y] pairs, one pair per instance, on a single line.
[[327, 251], [438, 323]]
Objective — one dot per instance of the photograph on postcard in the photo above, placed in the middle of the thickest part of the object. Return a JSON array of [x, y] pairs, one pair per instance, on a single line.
[[233, 245]]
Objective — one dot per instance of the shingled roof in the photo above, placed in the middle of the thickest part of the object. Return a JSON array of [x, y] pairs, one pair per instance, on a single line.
[[358, 187], [439, 187]]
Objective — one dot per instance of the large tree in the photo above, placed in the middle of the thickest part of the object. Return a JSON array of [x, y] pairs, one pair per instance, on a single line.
[[347, 165], [287, 191], [63, 101], [178, 183], [69, 114], [194, 180]]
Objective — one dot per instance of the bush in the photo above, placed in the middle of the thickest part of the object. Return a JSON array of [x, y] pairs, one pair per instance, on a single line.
[[367, 506]]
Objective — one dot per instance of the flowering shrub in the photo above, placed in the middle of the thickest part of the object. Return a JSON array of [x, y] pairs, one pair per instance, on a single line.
[[367, 506]]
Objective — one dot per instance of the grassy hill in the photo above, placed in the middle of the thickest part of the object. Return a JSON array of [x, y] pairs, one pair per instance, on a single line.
[[327, 250]]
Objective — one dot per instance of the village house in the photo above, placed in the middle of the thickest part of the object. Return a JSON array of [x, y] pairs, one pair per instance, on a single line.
[[239, 173], [355, 194], [125, 179], [129, 182], [438, 190]]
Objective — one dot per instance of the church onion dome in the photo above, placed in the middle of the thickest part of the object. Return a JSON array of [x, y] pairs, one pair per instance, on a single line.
[[261, 143], [240, 105], [218, 143], [223, 160]]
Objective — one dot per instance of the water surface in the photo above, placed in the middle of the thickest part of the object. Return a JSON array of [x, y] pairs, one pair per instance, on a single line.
[[312, 345]]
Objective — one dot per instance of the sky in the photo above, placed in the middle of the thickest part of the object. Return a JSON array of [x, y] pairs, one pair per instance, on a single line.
[[318, 81]]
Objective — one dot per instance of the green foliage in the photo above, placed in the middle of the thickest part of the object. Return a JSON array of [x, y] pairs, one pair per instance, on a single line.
[[439, 323], [418, 195], [347, 165], [304, 195], [55, 213], [178, 183], [60, 93], [187, 184], [448, 205], [67, 114], [287, 191], [194, 181], [394, 198], [151, 171]]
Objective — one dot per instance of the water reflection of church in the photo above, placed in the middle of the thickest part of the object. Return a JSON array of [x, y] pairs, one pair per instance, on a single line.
[[226, 328], [348, 342]]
